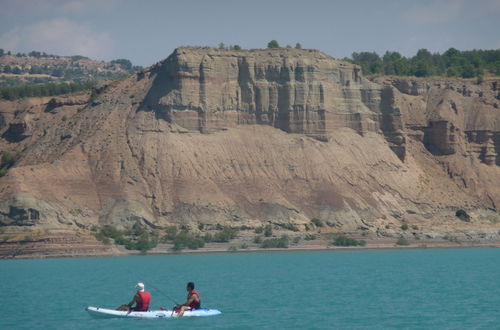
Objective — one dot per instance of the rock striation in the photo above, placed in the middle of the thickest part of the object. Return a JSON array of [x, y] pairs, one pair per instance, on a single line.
[[297, 91]]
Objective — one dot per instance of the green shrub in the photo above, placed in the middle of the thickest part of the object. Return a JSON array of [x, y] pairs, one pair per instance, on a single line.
[[402, 241], [232, 249], [111, 232], [347, 241], [143, 242], [171, 233], [289, 226], [462, 215], [138, 229], [281, 242], [296, 240], [414, 227], [404, 226], [243, 246], [7, 160], [268, 230], [273, 44], [317, 222], [259, 230], [225, 235], [186, 240], [257, 240]]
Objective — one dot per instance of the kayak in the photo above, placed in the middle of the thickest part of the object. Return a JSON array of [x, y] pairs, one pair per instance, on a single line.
[[110, 313]]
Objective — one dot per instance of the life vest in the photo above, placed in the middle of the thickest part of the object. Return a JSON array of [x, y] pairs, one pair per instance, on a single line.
[[195, 304], [142, 304]]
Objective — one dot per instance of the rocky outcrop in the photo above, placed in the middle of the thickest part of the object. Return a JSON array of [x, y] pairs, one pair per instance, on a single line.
[[457, 117], [209, 138], [307, 92], [392, 124]]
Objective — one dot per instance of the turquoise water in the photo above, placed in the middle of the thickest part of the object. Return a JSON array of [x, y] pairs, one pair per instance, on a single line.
[[419, 289]]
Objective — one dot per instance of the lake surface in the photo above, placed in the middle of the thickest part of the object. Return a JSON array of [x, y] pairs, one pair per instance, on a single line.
[[418, 289]]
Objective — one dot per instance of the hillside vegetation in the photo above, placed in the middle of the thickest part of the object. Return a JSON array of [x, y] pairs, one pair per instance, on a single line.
[[452, 63], [39, 74]]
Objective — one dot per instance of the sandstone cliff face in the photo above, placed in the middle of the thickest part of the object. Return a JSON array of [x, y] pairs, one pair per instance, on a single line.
[[297, 91], [243, 138]]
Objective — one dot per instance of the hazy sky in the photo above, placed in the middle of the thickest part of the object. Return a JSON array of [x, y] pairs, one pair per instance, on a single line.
[[149, 30]]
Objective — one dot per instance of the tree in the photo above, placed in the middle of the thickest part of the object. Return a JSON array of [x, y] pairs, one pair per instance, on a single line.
[[124, 63], [57, 72], [35, 54], [370, 62], [1, 52], [423, 54], [422, 69], [391, 56], [273, 44], [496, 68], [468, 71], [236, 47], [222, 46], [298, 45]]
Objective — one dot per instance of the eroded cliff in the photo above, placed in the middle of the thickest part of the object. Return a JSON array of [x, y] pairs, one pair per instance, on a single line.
[[244, 138]]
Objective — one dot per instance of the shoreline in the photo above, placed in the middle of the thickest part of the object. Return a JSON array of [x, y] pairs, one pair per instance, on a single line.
[[225, 250]]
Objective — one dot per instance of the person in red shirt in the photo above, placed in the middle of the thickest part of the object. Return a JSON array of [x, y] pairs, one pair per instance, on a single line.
[[141, 299], [193, 300]]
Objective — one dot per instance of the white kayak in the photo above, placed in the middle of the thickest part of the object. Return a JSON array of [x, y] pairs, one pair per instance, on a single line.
[[111, 313]]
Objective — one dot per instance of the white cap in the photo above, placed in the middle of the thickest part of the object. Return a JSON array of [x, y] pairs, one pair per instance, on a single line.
[[139, 286]]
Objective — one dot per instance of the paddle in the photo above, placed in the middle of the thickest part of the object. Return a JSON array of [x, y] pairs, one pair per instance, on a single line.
[[163, 294]]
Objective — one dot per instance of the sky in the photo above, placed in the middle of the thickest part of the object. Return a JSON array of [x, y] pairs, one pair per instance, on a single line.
[[148, 31]]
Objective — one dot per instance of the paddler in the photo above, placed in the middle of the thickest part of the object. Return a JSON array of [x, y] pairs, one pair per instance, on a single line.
[[141, 299], [193, 300]]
